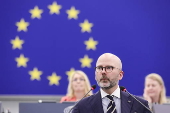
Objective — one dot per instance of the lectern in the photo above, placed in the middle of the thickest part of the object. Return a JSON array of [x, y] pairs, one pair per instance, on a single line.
[[43, 107], [161, 108]]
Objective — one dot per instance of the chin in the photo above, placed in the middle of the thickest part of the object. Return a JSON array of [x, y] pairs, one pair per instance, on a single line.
[[79, 90], [104, 84], [152, 95]]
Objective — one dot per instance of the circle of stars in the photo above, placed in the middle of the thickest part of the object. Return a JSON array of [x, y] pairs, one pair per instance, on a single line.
[[36, 13]]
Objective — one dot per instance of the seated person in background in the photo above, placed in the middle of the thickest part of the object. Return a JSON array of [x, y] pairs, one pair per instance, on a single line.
[[78, 86], [154, 91]]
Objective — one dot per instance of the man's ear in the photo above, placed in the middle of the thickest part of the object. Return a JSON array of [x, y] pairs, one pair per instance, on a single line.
[[121, 75]]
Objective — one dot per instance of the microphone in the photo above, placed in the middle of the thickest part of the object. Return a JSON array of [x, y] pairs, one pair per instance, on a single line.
[[92, 88], [124, 89]]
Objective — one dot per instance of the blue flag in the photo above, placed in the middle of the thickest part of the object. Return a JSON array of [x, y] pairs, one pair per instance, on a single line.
[[44, 42]]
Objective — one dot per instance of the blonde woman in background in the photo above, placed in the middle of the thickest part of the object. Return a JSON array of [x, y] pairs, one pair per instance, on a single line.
[[154, 91], [78, 86]]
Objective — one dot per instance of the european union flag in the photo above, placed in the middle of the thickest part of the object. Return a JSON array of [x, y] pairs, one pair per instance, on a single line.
[[44, 42]]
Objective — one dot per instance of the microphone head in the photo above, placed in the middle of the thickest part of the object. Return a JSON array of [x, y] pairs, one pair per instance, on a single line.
[[122, 88], [93, 87]]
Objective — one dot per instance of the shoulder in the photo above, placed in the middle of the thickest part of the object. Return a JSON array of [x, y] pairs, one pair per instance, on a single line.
[[64, 99], [135, 99], [67, 98], [138, 101], [90, 99], [88, 103], [168, 100], [141, 99]]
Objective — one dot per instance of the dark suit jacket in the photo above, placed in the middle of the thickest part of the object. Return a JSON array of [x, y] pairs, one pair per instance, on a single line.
[[93, 104]]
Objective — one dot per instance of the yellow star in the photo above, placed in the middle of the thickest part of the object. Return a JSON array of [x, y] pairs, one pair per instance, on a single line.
[[35, 74], [86, 61], [86, 26], [36, 12], [91, 44], [22, 25], [54, 8], [54, 79], [70, 73], [72, 13], [17, 43], [21, 61]]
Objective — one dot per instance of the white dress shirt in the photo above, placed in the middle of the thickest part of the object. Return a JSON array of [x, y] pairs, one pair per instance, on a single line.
[[106, 101]]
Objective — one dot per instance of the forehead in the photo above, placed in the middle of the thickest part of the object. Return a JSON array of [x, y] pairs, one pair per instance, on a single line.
[[107, 60], [151, 81], [77, 75]]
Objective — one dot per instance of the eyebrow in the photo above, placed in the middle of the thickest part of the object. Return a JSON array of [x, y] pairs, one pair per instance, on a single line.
[[78, 77], [104, 66]]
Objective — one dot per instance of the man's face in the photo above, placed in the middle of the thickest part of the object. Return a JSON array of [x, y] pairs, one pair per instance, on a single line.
[[107, 80]]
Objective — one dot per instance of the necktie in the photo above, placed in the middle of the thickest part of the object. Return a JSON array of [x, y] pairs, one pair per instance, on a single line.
[[111, 108]]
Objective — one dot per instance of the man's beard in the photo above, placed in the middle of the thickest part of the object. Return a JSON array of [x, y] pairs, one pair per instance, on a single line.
[[111, 84]]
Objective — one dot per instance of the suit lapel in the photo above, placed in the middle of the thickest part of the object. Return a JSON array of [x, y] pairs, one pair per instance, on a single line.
[[126, 102], [97, 103]]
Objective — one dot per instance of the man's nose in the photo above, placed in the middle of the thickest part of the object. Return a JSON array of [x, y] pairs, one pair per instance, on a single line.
[[104, 69], [103, 72]]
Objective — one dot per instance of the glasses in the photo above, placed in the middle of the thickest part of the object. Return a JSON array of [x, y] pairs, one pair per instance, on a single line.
[[107, 68], [80, 79]]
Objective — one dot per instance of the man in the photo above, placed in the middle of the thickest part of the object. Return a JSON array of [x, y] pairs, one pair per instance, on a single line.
[[110, 99]]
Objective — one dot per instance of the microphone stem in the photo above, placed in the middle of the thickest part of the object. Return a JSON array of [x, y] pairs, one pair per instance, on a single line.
[[139, 101], [79, 100]]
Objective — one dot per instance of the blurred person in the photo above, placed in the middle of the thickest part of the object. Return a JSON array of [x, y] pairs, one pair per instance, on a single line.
[[110, 99], [78, 86], [154, 91]]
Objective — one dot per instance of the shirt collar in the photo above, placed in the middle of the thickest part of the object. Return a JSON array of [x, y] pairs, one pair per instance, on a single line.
[[116, 93]]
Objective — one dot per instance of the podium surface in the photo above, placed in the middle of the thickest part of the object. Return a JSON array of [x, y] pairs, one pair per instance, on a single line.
[[0, 107], [164, 108], [43, 107]]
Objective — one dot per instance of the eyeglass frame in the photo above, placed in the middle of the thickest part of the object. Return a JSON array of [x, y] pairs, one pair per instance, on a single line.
[[106, 67]]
